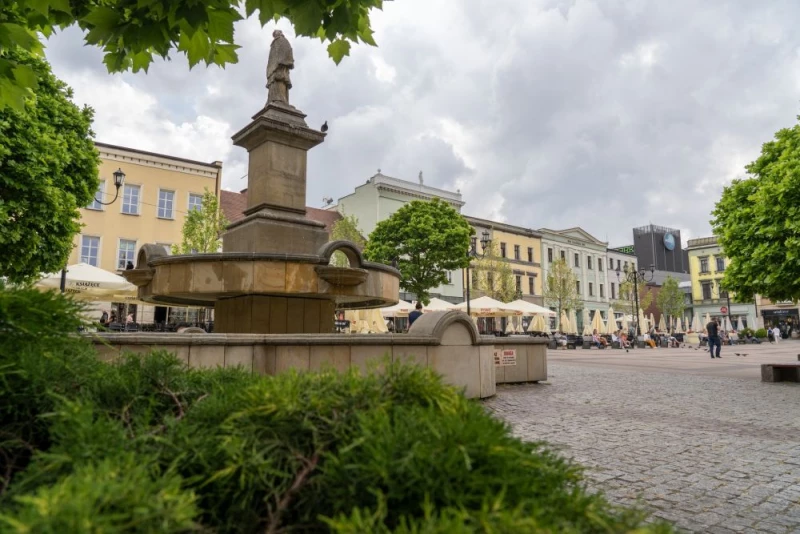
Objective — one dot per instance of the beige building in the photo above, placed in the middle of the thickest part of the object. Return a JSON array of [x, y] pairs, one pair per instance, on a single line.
[[158, 192], [522, 247]]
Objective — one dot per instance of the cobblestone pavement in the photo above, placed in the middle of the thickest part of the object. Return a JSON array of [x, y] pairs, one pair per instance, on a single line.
[[709, 453]]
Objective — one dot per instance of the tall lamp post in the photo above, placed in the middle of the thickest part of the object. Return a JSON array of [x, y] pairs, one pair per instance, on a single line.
[[119, 179], [723, 294], [634, 277], [473, 253]]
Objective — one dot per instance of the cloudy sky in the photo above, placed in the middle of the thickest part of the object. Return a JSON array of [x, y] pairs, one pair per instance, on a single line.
[[604, 114]]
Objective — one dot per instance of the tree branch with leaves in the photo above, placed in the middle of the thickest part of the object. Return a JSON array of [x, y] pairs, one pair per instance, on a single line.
[[203, 227], [494, 275], [346, 229], [560, 289], [670, 299]]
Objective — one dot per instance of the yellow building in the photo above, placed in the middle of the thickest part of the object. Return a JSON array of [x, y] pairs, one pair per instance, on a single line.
[[707, 265], [522, 247], [158, 192]]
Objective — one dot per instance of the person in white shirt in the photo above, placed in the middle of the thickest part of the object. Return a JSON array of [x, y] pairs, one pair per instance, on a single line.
[[776, 332]]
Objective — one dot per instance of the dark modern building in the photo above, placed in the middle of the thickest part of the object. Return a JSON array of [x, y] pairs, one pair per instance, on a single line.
[[661, 247]]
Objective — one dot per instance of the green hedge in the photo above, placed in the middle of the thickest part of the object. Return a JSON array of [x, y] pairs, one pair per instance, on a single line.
[[761, 333], [146, 445]]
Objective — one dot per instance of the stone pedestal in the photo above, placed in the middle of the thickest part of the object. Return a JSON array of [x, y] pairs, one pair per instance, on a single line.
[[277, 141], [260, 314]]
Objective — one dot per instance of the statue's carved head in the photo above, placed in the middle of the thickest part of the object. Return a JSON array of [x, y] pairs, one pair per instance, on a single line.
[[277, 33]]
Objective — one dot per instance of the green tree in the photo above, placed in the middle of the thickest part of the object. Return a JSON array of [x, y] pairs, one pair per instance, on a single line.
[[48, 170], [494, 276], [670, 298], [346, 228], [427, 239], [560, 289], [757, 222], [202, 228], [627, 298], [132, 33]]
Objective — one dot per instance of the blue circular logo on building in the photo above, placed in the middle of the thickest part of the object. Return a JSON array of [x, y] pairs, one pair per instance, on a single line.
[[669, 241]]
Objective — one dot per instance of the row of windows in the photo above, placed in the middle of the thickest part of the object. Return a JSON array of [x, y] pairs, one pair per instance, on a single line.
[[504, 253], [131, 201], [126, 251], [707, 288], [591, 289], [590, 262], [518, 280], [720, 261]]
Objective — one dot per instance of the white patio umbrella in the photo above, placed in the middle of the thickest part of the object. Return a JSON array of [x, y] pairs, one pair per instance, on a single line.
[[573, 322], [598, 323], [437, 305], [529, 308], [509, 325], [662, 323], [708, 320], [563, 323], [538, 324], [643, 327], [751, 322], [611, 322], [587, 325], [727, 324], [651, 322], [696, 326], [487, 307], [739, 324], [401, 309], [679, 326], [625, 326], [87, 282]]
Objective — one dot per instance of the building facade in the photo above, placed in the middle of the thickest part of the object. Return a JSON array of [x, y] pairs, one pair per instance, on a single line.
[[660, 247], [588, 258], [522, 247], [785, 315], [618, 260], [381, 196], [707, 267], [158, 192]]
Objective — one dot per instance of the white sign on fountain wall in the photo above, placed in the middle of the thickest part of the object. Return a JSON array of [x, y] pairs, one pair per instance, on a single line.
[[505, 357]]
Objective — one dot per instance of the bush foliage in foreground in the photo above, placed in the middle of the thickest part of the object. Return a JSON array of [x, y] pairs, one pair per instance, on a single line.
[[146, 445]]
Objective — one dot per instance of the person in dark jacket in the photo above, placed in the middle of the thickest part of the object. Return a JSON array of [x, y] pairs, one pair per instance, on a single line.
[[414, 315], [713, 338]]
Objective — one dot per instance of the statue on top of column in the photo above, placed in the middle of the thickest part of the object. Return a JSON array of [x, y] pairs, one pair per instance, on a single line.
[[281, 61]]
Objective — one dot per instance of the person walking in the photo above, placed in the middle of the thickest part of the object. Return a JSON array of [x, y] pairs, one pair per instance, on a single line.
[[712, 328], [776, 333], [414, 315]]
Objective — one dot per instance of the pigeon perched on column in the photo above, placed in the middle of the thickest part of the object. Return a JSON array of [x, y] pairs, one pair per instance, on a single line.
[[324, 127]]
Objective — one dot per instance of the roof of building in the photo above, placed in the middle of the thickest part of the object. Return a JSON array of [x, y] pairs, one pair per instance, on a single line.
[[215, 164], [233, 205], [414, 189], [702, 242], [576, 231], [510, 228]]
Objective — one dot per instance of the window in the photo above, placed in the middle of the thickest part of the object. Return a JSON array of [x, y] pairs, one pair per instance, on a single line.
[[549, 255], [588, 262], [516, 252], [166, 204], [196, 202], [490, 280], [577, 260], [613, 291], [563, 255], [611, 263], [591, 289], [502, 250], [706, 290], [704, 265], [130, 199], [599, 264], [530, 255], [720, 264], [519, 284], [473, 243], [449, 277], [90, 246], [601, 291], [98, 195], [531, 287], [125, 253], [633, 266], [578, 287], [625, 266]]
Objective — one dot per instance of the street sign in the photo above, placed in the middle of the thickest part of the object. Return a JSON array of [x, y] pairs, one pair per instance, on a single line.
[[723, 309]]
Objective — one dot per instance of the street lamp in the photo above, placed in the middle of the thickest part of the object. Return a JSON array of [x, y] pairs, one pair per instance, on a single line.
[[724, 294], [119, 179], [473, 253], [634, 276]]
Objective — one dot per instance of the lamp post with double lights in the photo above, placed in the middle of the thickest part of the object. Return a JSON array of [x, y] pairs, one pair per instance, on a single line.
[[119, 179], [473, 253], [723, 294], [634, 277]]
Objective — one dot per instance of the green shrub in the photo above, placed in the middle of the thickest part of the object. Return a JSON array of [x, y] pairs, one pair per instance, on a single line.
[[145, 444], [761, 333]]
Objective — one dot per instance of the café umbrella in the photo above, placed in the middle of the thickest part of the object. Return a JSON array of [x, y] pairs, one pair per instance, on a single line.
[[87, 282], [563, 323], [611, 321], [437, 305], [487, 307], [597, 323]]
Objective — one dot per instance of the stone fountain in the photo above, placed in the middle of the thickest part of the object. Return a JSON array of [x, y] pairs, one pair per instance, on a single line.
[[273, 274], [274, 291]]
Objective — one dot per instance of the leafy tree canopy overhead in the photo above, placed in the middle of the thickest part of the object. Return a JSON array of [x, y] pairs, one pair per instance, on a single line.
[[133, 32], [757, 223], [427, 239], [48, 170]]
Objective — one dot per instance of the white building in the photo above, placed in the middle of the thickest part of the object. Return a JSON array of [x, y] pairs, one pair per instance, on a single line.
[[588, 258], [380, 197], [618, 260]]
